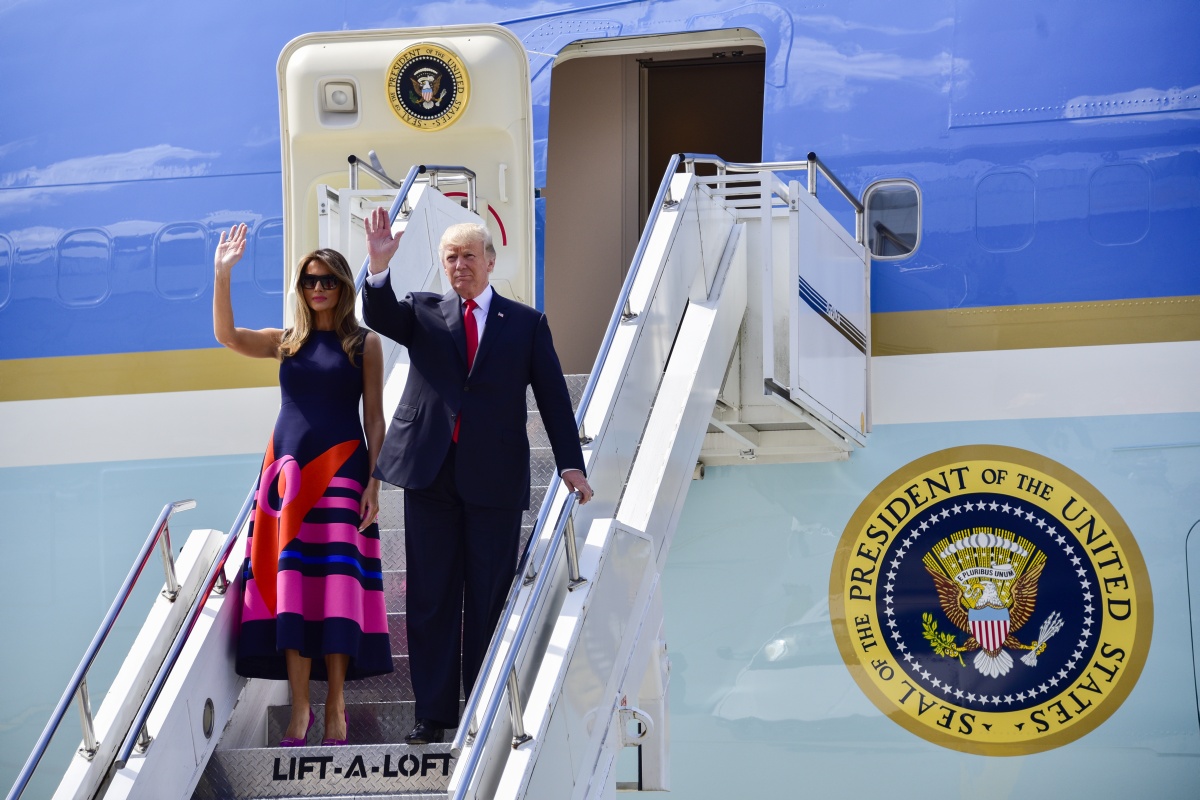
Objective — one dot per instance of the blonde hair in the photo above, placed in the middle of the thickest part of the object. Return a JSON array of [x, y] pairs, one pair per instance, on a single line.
[[345, 323], [465, 233]]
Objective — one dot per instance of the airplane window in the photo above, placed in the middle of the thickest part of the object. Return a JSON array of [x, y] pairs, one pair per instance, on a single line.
[[893, 219]]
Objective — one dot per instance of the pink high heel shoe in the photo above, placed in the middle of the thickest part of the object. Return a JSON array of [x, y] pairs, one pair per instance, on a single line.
[[339, 742], [299, 741]]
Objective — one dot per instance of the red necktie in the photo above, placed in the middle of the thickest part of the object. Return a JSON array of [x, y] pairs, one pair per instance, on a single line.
[[472, 329]]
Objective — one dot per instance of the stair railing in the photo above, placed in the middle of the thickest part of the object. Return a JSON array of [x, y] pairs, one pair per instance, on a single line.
[[564, 527], [138, 736], [812, 166], [159, 536]]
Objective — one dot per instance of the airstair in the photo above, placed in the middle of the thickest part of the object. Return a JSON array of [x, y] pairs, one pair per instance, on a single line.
[[740, 336]]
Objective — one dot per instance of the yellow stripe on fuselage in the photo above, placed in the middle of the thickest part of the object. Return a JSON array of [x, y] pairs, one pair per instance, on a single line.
[[962, 330], [956, 330], [133, 373]]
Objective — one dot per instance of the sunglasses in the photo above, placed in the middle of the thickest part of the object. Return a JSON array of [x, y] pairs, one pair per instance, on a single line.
[[327, 282]]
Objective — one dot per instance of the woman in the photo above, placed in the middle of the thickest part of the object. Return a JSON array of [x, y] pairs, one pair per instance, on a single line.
[[313, 603]]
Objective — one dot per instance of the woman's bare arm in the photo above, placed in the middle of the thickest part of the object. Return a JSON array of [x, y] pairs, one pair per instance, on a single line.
[[262, 343]]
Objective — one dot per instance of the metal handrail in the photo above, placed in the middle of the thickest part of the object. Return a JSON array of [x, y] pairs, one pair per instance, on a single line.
[[214, 581], [78, 682], [508, 668], [815, 164], [434, 171], [472, 761], [614, 322], [469, 729], [393, 210], [358, 165], [812, 165]]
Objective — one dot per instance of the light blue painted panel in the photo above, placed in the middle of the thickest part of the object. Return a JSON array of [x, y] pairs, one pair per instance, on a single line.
[[749, 572], [70, 534]]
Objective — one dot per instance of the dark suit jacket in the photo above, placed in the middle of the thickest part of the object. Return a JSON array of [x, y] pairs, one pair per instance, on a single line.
[[493, 447]]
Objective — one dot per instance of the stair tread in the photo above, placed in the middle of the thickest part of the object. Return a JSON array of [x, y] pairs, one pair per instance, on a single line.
[[373, 722], [354, 770]]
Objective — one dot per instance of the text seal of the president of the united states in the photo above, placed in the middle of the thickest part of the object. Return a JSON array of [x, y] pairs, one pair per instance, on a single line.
[[428, 86], [992, 601]]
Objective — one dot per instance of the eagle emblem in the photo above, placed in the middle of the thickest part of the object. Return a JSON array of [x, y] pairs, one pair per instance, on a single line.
[[987, 585], [967, 601], [427, 88]]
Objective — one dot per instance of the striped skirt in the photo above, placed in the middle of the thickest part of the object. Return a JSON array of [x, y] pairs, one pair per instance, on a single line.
[[311, 581]]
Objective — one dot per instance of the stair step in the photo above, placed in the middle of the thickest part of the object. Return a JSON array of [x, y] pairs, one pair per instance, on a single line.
[[396, 686], [370, 722], [390, 770]]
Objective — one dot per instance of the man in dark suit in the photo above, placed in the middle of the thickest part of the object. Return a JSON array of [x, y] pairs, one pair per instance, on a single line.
[[458, 446]]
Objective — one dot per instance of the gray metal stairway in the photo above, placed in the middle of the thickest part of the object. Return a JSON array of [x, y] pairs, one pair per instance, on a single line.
[[684, 336], [377, 763]]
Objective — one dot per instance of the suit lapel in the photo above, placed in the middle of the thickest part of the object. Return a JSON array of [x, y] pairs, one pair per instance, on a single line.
[[451, 306], [493, 329]]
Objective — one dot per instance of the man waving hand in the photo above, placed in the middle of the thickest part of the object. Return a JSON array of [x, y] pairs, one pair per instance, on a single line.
[[458, 446]]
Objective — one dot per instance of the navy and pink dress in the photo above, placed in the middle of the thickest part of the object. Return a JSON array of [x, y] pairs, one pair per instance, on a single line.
[[312, 581]]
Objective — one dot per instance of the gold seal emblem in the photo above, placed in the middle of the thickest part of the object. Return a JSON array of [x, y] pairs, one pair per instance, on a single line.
[[992, 601], [428, 87]]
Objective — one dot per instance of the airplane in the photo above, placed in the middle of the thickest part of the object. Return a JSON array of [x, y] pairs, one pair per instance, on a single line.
[[885, 318]]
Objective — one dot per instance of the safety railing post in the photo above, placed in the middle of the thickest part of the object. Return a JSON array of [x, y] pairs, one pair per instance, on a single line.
[[144, 740], [574, 579], [90, 743], [531, 573], [520, 737], [172, 588]]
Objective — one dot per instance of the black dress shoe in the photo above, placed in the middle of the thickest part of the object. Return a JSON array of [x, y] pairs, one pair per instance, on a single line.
[[425, 732]]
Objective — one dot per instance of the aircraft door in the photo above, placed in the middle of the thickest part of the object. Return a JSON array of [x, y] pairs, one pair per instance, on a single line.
[[619, 109], [448, 96]]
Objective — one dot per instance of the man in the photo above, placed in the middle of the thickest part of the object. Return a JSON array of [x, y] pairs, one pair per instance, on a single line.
[[458, 446]]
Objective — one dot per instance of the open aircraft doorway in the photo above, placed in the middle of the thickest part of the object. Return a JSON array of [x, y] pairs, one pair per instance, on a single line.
[[619, 109]]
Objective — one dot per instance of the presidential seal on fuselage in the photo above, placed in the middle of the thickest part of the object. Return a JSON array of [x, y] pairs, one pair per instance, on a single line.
[[992, 601], [427, 86]]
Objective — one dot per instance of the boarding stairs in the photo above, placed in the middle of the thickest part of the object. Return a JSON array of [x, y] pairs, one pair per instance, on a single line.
[[740, 336]]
